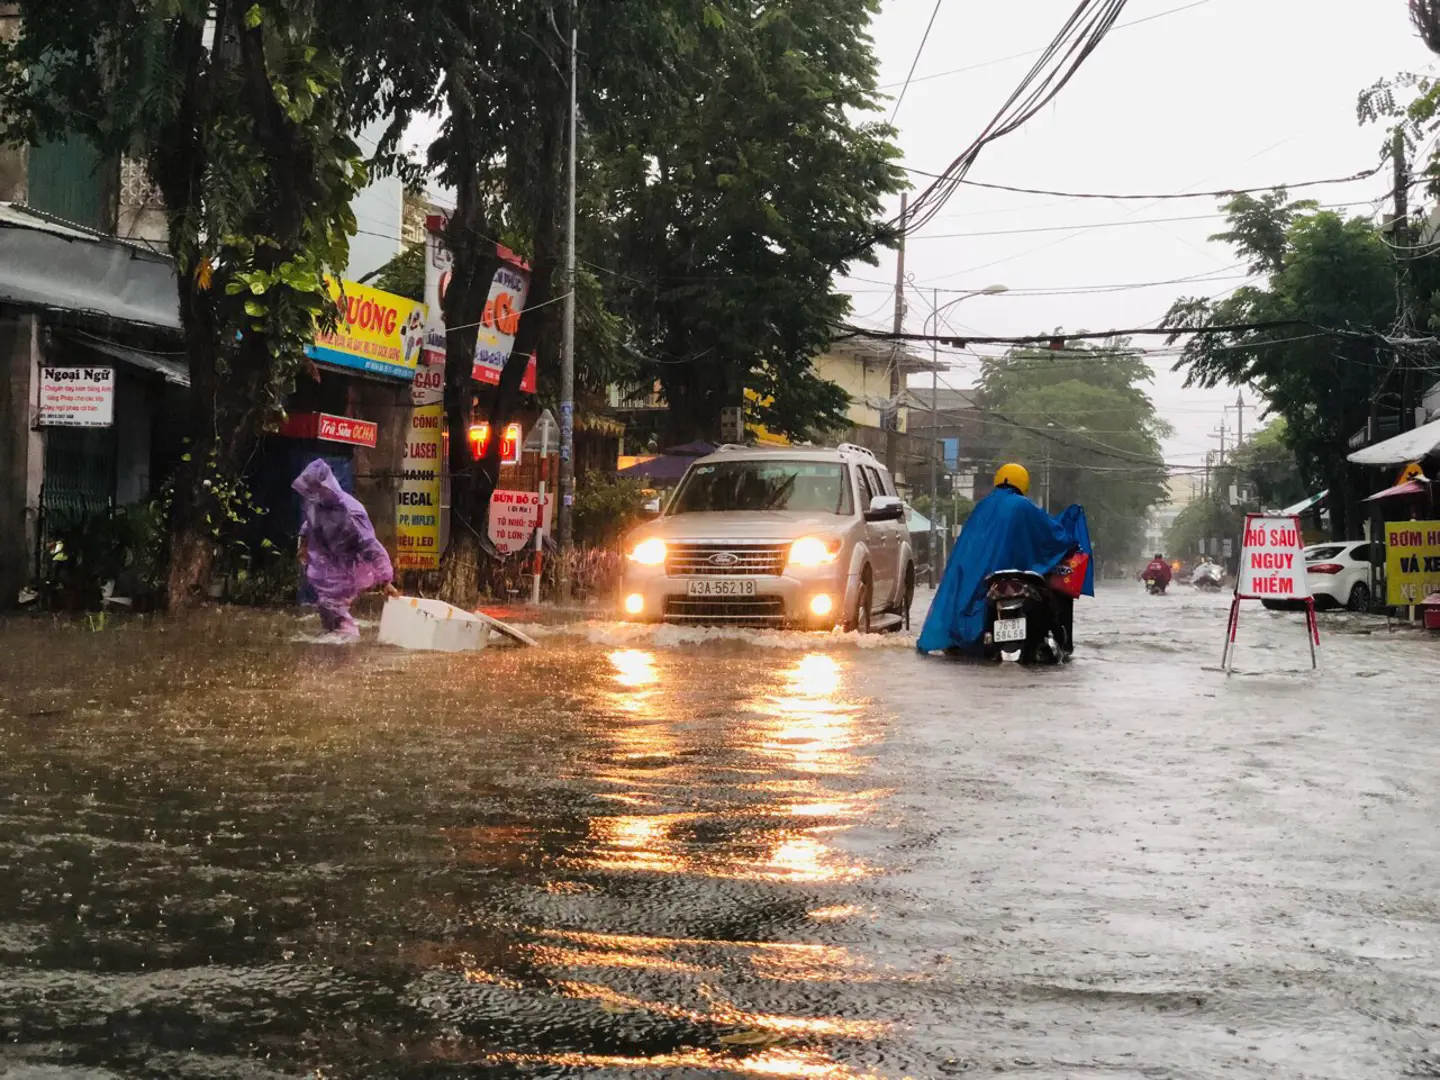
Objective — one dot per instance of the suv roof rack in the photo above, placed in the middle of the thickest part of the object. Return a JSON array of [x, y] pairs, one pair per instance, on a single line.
[[851, 448], [730, 446]]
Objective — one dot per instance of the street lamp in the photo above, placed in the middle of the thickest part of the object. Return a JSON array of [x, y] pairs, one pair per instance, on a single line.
[[936, 308]]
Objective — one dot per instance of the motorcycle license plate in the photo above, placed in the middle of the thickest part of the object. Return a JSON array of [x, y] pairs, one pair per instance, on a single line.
[[1008, 630], [721, 587]]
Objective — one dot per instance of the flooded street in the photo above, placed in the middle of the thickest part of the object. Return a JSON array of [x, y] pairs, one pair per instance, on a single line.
[[681, 853]]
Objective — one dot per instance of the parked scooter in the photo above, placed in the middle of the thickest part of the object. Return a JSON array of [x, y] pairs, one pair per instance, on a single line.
[[1022, 619]]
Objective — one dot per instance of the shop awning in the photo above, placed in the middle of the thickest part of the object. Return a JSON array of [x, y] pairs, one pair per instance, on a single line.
[[916, 522], [1306, 504], [1403, 448], [1410, 487], [172, 370], [47, 265]]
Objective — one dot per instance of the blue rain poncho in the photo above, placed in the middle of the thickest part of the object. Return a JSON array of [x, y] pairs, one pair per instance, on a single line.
[[1006, 531]]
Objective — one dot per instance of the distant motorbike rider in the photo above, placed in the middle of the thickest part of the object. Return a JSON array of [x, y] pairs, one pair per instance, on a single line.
[[1006, 531], [1157, 571]]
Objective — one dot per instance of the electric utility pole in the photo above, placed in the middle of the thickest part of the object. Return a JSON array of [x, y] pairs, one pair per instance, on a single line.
[[1240, 408], [1400, 238], [892, 430], [567, 342], [934, 546]]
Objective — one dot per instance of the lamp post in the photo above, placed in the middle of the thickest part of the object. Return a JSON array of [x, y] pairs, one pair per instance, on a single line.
[[936, 308]]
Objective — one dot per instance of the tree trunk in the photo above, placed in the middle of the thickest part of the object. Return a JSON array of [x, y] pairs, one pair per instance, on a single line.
[[475, 262]]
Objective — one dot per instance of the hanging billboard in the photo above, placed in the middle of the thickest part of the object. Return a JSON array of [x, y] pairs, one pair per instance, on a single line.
[[376, 332]]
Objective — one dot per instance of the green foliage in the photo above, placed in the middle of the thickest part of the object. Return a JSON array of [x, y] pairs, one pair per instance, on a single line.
[[1084, 417], [1260, 474], [1205, 518], [404, 275], [730, 196], [1330, 271], [1264, 466], [83, 553], [242, 114], [606, 507]]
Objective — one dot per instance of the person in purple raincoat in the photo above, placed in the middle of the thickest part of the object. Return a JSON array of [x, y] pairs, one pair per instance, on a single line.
[[342, 557]]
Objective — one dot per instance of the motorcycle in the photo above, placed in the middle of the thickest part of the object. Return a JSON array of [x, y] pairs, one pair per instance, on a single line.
[[1021, 619], [1156, 586], [1208, 578]]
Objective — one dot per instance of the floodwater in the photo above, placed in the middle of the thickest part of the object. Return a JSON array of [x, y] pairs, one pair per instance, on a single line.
[[651, 852]]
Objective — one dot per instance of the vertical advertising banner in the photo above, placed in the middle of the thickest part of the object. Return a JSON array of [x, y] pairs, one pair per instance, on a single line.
[[419, 505]]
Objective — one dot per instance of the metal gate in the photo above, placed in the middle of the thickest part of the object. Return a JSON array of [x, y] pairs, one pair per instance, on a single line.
[[79, 480]]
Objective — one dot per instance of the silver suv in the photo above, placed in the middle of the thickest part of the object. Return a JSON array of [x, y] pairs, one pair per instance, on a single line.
[[795, 537]]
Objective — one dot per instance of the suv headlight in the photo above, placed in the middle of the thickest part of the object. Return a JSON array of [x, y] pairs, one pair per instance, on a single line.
[[814, 550], [649, 552]]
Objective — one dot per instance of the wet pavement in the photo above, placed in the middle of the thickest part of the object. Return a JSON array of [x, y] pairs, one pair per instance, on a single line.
[[225, 852]]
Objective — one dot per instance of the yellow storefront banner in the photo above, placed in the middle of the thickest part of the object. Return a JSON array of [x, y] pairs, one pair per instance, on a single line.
[[1412, 561], [375, 331], [417, 505], [763, 435]]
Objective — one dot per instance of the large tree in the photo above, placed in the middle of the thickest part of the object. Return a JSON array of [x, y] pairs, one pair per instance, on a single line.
[[1323, 273], [242, 112], [731, 199], [1081, 421]]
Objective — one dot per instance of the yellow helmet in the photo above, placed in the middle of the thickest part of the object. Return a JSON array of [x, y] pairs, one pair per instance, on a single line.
[[1017, 476]]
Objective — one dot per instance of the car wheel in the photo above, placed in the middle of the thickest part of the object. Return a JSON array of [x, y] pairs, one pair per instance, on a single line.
[[860, 617], [907, 596], [1359, 597]]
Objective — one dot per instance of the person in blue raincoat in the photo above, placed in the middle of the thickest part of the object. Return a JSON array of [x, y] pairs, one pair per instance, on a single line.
[[1006, 531]]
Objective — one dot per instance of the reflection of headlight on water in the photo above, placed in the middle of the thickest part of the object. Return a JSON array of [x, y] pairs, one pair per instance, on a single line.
[[816, 675], [633, 667]]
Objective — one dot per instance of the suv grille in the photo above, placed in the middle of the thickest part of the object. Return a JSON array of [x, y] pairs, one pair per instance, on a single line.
[[726, 560], [735, 610]]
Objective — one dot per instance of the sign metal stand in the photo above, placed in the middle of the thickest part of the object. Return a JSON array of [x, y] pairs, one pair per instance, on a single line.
[[1272, 565]]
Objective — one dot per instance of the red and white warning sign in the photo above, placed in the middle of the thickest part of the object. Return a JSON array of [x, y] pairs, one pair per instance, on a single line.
[[1272, 559], [1272, 567]]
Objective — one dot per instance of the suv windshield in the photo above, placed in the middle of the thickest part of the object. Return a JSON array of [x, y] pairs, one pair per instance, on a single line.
[[812, 487]]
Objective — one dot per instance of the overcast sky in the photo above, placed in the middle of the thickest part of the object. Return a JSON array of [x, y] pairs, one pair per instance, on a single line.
[[1222, 94]]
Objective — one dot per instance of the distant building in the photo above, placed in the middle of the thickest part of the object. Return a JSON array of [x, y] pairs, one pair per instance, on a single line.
[[1181, 493], [861, 367], [952, 419]]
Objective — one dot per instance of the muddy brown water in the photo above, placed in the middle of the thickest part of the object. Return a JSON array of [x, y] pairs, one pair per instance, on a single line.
[[228, 852]]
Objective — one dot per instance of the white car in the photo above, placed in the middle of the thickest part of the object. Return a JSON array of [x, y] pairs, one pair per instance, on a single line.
[[803, 537], [1339, 577]]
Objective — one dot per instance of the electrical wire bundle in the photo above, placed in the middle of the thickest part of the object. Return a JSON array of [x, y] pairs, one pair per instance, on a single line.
[[1078, 38]]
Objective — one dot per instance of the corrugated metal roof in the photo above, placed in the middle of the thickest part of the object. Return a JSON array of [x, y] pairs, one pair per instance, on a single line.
[[173, 371], [47, 264]]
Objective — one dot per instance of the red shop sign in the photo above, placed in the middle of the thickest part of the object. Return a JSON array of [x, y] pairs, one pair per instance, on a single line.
[[327, 428]]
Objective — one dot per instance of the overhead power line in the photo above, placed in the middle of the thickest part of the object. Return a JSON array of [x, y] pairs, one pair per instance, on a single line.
[[1363, 174], [1125, 224], [1097, 335], [1033, 52], [899, 100], [1081, 34]]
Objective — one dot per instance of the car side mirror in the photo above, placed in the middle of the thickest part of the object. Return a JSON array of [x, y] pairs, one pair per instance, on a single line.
[[652, 508], [885, 508]]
